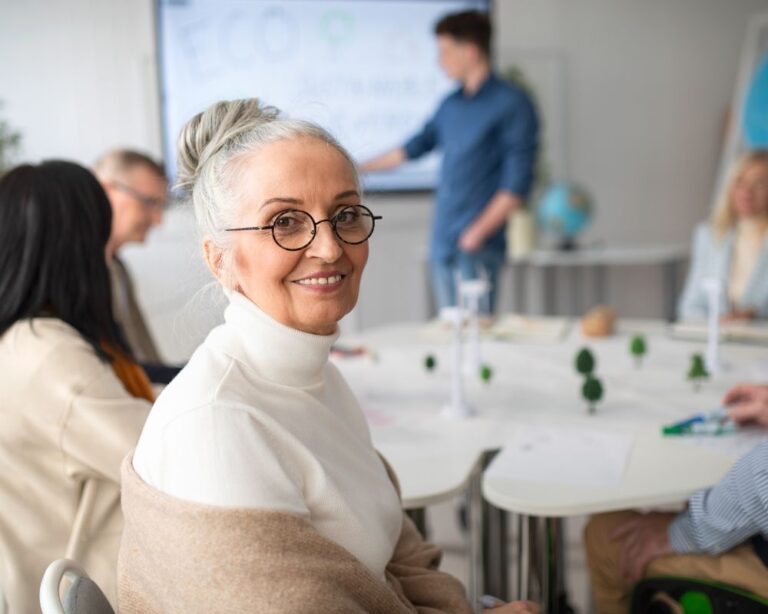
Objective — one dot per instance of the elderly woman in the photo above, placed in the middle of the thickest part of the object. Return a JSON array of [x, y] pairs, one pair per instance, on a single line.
[[72, 401], [255, 487], [733, 247]]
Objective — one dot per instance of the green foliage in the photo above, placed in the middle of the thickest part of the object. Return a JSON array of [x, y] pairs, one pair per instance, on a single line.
[[9, 144], [638, 348], [585, 362], [430, 362], [592, 391], [486, 373], [698, 370]]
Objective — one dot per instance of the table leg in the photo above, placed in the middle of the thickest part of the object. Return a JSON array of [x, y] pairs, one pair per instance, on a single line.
[[551, 305], [523, 557], [495, 546], [540, 558], [670, 290], [496, 552], [475, 528], [601, 286]]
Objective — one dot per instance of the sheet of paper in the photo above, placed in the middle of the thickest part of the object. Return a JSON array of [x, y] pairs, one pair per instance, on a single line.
[[565, 455]]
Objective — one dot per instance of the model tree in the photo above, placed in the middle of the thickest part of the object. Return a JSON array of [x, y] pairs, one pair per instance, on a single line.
[[592, 391], [698, 371], [638, 348], [585, 362], [430, 362], [486, 373]]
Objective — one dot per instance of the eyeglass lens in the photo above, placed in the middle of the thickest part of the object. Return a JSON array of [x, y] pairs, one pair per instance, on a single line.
[[295, 229]]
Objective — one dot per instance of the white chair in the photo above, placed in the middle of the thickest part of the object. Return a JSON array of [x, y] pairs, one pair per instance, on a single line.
[[82, 597]]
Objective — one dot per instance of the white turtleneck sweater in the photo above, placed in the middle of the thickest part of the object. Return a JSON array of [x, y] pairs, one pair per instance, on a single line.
[[259, 418]]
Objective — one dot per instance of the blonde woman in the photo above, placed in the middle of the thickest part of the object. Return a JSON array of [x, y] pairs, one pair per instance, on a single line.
[[733, 246], [255, 486]]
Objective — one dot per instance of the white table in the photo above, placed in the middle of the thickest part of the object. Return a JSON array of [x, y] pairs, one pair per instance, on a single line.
[[535, 382]]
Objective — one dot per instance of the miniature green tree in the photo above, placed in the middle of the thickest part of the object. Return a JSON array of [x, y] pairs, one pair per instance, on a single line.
[[585, 362], [430, 362], [592, 391], [698, 371], [486, 373], [638, 349]]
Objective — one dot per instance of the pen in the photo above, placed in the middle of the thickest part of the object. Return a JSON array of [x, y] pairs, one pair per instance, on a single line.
[[684, 426], [720, 427]]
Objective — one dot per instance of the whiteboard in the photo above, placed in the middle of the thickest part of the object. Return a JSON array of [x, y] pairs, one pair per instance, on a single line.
[[366, 70]]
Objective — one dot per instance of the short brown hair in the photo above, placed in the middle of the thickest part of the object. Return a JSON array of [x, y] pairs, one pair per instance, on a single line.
[[120, 161], [467, 27]]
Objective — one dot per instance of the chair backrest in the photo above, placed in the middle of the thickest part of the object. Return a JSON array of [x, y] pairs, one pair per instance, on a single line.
[[696, 595], [82, 597]]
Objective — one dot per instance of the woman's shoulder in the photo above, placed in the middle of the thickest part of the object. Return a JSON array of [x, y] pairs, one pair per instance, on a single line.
[[705, 237], [221, 453], [35, 343]]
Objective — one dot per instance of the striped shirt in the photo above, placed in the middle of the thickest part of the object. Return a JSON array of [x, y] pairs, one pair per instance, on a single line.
[[728, 514]]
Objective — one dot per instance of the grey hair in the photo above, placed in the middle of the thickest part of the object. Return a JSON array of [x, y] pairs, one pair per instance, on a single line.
[[208, 151]]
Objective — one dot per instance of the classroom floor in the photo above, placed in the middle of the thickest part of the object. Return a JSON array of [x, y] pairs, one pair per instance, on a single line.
[[443, 527]]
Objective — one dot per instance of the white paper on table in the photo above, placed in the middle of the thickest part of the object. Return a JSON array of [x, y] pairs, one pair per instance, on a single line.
[[565, 455]]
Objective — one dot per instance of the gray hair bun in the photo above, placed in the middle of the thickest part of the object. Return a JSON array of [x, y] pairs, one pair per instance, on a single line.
[[216, 128]]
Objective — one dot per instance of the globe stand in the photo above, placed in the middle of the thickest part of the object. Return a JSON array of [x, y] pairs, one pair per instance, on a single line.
[[567, 244]]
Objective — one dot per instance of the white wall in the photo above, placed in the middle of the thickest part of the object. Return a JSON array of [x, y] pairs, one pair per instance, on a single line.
[[639, 104], [78, 77]]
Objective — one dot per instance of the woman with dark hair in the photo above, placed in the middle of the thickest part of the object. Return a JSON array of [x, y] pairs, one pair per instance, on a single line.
[[72, 401]]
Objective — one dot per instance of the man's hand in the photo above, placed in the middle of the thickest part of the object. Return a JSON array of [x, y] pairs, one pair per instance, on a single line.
[[471, 240], [515, 607], [748, 403], [644, 538]]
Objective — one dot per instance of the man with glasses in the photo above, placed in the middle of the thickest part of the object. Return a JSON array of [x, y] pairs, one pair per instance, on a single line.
[[138, 191]]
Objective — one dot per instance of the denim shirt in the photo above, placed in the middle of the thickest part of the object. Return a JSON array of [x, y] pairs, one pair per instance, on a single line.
[[489, 143]]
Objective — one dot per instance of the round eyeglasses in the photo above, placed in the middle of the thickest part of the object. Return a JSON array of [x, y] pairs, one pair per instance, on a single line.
[[294, 229]]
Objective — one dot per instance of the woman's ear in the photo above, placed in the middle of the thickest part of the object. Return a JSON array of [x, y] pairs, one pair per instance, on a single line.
[[213, 258]]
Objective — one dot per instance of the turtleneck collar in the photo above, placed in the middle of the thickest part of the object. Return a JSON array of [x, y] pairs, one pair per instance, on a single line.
[[276, 352]]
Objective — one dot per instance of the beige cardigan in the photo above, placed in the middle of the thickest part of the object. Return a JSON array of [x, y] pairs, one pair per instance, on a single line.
[[66, 419], [182, 557]]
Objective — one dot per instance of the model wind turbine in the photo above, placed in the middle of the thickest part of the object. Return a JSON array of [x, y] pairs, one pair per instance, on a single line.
[[472, 291], [458, 407], [713, 289]]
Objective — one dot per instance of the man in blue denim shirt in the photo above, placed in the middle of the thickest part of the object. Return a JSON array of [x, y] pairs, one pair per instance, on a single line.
[[488, 133]]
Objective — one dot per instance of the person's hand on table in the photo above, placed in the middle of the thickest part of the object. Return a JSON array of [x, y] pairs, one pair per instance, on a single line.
[[644, 538], [471, 240], [739, 315], [515, 607], [748, 403]]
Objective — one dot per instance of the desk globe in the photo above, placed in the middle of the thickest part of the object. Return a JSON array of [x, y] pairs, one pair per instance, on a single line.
[[563, 212]]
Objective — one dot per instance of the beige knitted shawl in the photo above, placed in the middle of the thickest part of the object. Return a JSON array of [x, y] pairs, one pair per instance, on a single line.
[[178, 556]]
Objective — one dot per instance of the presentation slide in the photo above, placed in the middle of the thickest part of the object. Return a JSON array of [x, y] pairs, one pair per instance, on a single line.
[[365, 70]]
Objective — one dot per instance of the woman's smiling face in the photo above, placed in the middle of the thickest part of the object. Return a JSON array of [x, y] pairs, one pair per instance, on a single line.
[[313, 288]]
